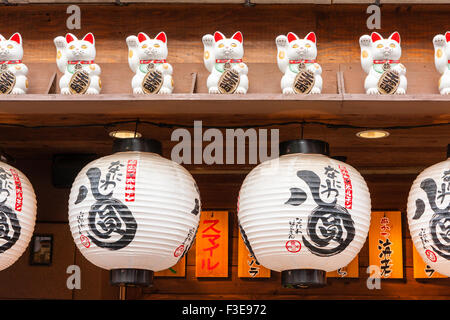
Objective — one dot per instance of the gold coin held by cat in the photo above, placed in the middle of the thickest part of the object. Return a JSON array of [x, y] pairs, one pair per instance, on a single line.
[[389, 82], [229, 81], [152, 82], [304, 82], [80, 81], [7, 80]]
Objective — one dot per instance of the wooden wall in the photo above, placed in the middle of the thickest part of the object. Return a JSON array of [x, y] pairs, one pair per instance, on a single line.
[[338, 29]]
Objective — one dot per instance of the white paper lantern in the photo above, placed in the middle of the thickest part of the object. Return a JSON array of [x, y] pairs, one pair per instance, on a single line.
[[304, 213], [134, 212], [17, 214], [429, 216]]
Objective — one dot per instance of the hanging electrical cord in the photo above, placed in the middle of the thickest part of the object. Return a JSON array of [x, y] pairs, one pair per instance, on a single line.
[[248, 126]]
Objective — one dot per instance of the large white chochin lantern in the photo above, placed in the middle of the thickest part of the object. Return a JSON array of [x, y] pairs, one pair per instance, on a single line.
[[134, 212], [304, 214], [17, 214], [429, 215]]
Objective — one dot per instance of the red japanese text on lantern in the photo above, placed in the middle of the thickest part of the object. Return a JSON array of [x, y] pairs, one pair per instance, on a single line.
[[130, 182], [19, 192], [213, 235], [348, 187]]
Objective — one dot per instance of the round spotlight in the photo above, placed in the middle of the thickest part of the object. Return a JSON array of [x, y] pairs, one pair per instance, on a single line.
[[124, 134], [373, 134]]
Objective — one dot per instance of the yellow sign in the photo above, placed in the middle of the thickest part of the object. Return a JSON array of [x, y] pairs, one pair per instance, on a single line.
[[349, 271], [386, 245], [211, 252], [248, 267], [421, 269], [178, 270]]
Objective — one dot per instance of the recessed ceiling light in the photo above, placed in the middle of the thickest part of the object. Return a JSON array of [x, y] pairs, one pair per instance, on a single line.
[[373, 134], [124, 134]]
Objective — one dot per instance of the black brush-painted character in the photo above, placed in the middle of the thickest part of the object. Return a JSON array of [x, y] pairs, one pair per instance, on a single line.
[[8, 221], [195, 212], [330, 227], [107, 216], [189, 246], [246, 242], [440, 221], [196, 209]]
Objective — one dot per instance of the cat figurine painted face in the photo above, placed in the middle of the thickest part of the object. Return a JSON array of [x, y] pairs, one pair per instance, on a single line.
[[147, 59], [441, 61], [223, 59], [13, 73], [75, 58], [380, 59], [297, 61]]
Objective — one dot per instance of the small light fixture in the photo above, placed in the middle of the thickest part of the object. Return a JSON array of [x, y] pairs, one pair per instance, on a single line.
[[124, 134], [373, 134]]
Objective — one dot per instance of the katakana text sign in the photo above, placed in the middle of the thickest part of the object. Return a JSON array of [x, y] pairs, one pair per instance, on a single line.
[[349, 271], [212, 245], [248, 266], [423, 270]]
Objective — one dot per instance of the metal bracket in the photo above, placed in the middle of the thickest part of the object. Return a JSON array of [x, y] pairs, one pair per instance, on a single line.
[[248, 4]]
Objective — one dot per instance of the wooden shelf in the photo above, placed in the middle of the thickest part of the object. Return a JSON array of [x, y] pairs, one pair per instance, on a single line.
[[343, 98]]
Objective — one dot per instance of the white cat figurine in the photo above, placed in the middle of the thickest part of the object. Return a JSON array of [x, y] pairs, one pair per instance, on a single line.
[[297, 61], [223, 59], [147, 59], [380, 59], [75, 58], [441, 60], [13, 73]]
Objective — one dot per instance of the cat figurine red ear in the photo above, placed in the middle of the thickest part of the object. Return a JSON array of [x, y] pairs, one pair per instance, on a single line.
[[380, 59], [76, 60], [223, 59], [441, 61], [147, 59], [13, 72], [297, 61]]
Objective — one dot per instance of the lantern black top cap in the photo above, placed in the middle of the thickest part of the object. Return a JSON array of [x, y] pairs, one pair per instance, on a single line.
[[304, 146], [137, 144]]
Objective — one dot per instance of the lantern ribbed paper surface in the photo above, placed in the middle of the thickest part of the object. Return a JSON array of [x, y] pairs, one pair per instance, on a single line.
[[304, 211], [429, 216], [17, 214], [134, 210]]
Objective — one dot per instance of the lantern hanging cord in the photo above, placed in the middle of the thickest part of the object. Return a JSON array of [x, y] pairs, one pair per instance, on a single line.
[[136, 128], [248, 126]]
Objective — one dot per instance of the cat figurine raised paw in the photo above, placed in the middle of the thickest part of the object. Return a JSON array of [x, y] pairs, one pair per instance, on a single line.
[[75, 58], [297, 61], [441, 61], [223, 59], [380, 59], [13, 73], [147, 59]]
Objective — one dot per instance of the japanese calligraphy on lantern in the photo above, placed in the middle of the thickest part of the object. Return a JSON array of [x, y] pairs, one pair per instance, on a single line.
[[248, 266], [423, 270], [212, 245], [178, 270], [385, 244], [349, 271]]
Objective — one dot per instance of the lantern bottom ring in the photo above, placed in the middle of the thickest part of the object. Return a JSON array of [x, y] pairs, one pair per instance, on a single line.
[[131, 277], [303, 278]]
